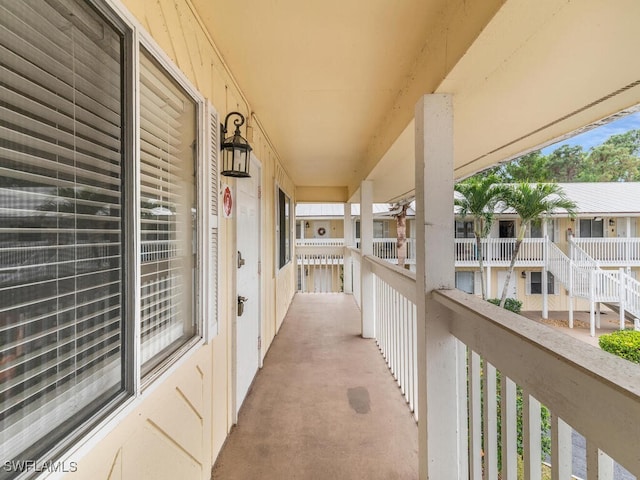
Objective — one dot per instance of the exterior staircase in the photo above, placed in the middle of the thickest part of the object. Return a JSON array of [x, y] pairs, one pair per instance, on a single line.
[[582, 276]]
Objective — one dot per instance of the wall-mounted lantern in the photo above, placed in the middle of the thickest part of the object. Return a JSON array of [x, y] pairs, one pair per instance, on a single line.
[[235, 150]]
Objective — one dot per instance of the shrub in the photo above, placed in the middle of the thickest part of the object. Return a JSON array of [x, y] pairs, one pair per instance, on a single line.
[[624, 343], [511, 304]]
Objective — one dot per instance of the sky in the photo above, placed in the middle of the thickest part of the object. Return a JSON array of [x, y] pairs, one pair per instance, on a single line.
[[598, 135]]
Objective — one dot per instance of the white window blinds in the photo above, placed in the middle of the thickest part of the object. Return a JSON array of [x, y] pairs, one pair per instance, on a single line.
[[168, 213], [60, 220]]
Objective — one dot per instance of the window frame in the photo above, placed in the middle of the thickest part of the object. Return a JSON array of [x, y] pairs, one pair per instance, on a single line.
[[283, 228], [64, 439], [459, 274], [140, 38], [464, 229], [109, 413], [591, 223], [155, 52], [551, 283]]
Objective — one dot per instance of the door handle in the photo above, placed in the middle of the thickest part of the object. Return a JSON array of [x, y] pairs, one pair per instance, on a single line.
[[241, 301], [240, 259]]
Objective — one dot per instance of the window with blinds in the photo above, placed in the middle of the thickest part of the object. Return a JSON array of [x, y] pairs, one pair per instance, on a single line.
[[168, 213], [61, 221]]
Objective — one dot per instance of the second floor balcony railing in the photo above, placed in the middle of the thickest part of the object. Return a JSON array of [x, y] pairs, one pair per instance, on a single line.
[[384, 248], [498, 251], [608, 252], [516, 386], [612, 251]]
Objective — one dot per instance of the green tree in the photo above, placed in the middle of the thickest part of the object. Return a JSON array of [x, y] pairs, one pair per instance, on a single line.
[[565, 163], [531, 202], [532, 167], [616, 160], [477, 198]]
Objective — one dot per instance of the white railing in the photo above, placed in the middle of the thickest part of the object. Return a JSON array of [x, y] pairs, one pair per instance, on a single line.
[[583, 277], [612, 251], [512, 371], [580, 256], [395, 325], [605, 285], [558, 264], [319, 242], [580, 385], [320, 269], [632, 299], [385, 248], [498, 251], [467, 251]]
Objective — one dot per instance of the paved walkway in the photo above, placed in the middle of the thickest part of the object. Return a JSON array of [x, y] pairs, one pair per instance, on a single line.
[[609, 322], [324, 406]]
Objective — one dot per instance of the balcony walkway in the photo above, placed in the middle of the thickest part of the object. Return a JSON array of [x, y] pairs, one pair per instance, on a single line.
[[324, 406]]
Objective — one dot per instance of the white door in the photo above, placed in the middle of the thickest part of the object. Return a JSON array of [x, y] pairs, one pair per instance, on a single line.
[[321, 280], [621, 227], [247, 353], [512, 291]]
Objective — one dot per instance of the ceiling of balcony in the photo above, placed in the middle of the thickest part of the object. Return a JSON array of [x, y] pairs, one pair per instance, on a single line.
[[334, 82]]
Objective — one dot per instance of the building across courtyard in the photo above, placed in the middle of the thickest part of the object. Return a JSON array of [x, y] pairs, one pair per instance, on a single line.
[[589, 262]]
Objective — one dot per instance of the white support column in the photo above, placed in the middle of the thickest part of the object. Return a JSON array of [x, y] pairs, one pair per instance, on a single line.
[[348, 242], [627, 248], [440, 418], [367, 309]]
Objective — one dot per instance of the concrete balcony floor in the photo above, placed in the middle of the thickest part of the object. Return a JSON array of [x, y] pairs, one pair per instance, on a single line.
[[324, 406]]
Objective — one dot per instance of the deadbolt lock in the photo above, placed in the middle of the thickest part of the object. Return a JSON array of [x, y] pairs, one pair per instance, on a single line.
[[241, 301]]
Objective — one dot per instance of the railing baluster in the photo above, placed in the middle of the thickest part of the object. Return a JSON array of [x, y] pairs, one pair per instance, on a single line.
[[387, 321], [463, 408], [414, 350], [561, 449], [475, 420], [532, 434], [405, 349], [509, 414], [394, 329], [599, 464], [490, 436]]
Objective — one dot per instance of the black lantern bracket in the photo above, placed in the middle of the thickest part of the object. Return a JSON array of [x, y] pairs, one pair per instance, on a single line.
[[236, 151]]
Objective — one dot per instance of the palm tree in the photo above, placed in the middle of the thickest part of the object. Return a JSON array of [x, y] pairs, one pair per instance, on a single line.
[[399, 211], [531, 202], [477, 199]]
